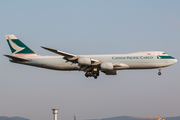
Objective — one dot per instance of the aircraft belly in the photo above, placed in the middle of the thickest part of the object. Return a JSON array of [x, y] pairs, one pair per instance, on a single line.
[[62, 67], [147, 65], [54, 64]]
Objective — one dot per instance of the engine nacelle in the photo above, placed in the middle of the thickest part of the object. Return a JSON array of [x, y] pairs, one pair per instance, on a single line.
[[84, 61], [110, 72], [106, 66]]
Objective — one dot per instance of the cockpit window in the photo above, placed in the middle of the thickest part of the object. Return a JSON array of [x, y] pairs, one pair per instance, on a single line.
[[164, 53]]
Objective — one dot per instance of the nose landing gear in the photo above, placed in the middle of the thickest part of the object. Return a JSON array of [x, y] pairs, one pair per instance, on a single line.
[[159, 73]]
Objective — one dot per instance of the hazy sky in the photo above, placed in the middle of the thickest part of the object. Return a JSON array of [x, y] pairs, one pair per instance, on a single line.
[[90, 27]]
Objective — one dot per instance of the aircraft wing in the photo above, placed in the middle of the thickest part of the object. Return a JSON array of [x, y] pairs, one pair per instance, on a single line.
[[60, 52], [16, 58], [70, 57]]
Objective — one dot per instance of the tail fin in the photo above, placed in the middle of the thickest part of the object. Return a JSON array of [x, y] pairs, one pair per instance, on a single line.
[[17, 47]]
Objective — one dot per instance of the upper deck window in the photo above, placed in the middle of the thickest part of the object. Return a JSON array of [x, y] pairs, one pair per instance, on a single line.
[[164, 53]]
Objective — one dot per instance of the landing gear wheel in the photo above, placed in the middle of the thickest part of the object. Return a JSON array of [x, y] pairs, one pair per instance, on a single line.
[[95, 77], [159, 73], [86, 75], [91, 73]]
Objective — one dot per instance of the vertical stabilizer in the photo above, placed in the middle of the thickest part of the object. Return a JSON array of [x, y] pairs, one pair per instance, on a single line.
[[17, 47]]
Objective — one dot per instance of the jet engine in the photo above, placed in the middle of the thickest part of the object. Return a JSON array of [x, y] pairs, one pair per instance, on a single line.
[[106, 66], [84, 61], [110, 72]]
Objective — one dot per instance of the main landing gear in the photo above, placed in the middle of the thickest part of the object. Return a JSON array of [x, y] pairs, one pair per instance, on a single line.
[[91, 73], [159, 73]]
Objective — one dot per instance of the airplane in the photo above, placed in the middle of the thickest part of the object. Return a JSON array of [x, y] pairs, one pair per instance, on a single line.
[[90, 64]]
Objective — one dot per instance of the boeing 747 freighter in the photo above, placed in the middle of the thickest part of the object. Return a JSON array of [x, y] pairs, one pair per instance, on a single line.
[[90, 64]]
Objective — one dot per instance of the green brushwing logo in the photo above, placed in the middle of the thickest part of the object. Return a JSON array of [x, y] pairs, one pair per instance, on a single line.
[[165, 57], [18, 47]]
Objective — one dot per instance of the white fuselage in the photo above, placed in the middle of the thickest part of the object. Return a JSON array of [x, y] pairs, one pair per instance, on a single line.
[[140, 60]]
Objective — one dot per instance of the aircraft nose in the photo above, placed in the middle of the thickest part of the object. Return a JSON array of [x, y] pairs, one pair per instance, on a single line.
[[172, 61], [175, 61]]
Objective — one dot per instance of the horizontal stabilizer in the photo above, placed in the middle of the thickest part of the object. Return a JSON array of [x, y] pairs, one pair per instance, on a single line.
[[16, 58]]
